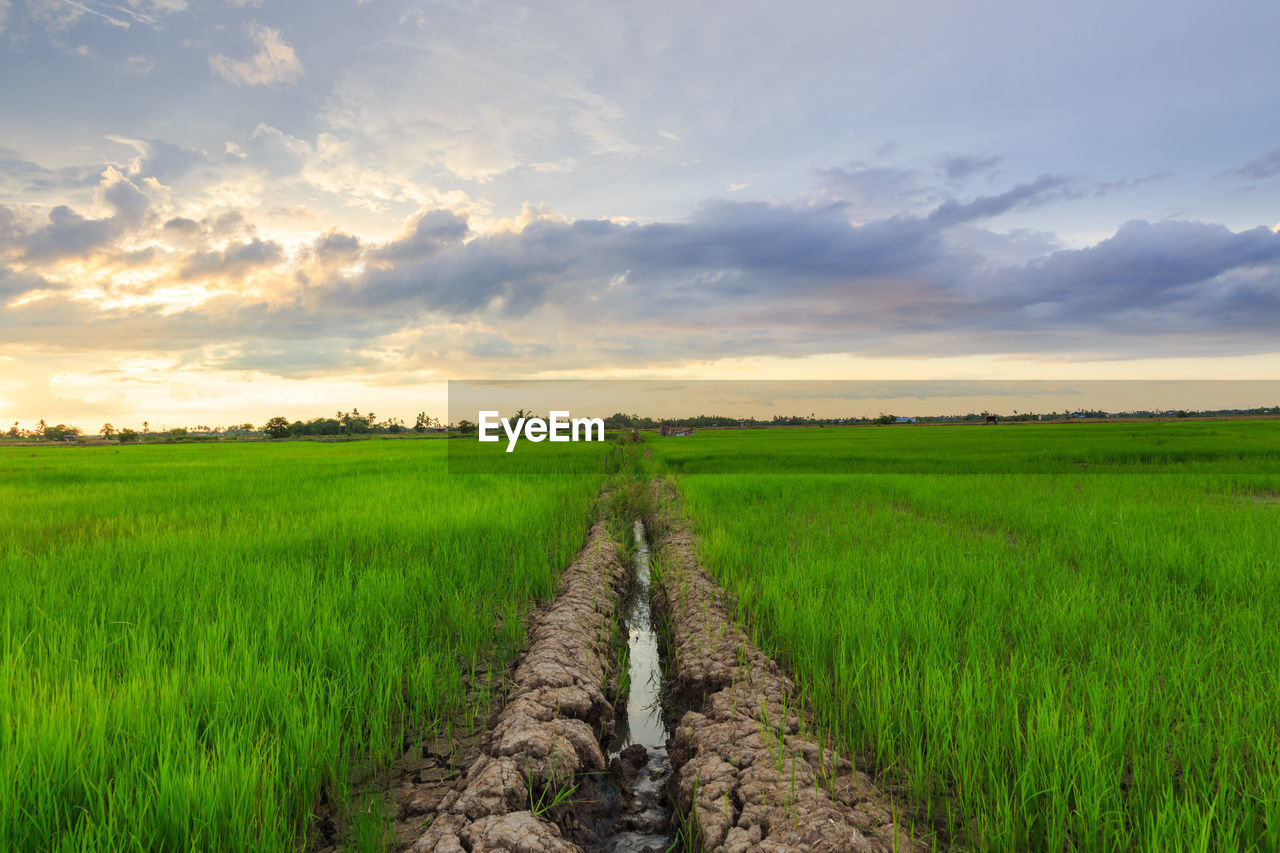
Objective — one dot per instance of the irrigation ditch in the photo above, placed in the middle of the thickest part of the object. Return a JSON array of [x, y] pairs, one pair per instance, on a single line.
[[642, 719]]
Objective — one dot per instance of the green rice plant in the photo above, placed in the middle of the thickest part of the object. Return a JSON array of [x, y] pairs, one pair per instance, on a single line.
[[200, 643], [1053, 636]]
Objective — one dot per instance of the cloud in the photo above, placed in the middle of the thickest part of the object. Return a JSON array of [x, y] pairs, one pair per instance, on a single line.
[[872, 192], [234, 261], [70, 234], [425, 235], [183, 226], [13, 225], [1104, 188], [337, 246], [275, 61], [1261, 167], [58, 15], [14, 284], [159, 159], [759, 279], [139, 64], [514, 95], [960, 167], [952, 212], [25, 177], [733, 279], [1150, 268]]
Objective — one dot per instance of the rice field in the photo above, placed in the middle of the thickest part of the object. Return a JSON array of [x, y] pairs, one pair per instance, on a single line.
[[196, 641], [1041, 637], [1082, 655]]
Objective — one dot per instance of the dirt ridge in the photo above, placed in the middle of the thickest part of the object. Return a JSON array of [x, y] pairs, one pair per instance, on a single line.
[[549, 733], [747, 776]]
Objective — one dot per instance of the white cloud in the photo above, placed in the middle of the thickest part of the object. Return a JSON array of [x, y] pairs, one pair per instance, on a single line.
[[61, 14], [482, 97], [139, 64], [4, 13], [275, 61]]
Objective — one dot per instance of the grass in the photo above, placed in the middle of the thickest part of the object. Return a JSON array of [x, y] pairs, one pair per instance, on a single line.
[[196, 641], [1084, 658], [1048, 636]]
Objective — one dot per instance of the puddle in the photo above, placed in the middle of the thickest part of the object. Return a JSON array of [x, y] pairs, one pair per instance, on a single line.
[[638, 819]]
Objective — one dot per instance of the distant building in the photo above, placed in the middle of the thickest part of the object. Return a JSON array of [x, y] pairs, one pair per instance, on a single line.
[[675, 430], [904, 420]]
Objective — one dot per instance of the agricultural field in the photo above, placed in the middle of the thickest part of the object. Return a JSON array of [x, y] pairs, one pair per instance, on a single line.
[[1074, 650], [1035, 637], [197, 641]]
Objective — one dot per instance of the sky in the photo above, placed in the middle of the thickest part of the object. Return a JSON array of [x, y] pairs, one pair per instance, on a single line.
[[213, 213]]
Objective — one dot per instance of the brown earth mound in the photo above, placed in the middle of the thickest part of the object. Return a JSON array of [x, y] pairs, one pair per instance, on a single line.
[[747, 776], [550, 731]]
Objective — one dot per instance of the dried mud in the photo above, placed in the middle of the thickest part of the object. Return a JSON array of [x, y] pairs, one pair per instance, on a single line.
[[747, 775], [546, 740], [413, 786]]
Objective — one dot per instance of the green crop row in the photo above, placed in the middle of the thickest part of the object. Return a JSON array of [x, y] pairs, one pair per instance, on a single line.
[[1083, 660], [196, 641]]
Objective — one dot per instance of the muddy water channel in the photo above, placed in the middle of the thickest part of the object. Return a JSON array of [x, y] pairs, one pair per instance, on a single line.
[[637, 817]]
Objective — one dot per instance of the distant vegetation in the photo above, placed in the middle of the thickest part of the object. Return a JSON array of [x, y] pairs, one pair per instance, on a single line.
[[354, 424]]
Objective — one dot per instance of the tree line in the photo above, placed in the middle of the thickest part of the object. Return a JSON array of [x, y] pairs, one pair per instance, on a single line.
[[357, 423], [350, 423]]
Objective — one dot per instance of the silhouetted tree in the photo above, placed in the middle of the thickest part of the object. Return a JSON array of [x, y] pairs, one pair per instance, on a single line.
[[277, 427], [60, 432]]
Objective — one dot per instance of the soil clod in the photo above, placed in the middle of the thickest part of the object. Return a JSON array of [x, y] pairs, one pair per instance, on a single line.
[[536, 761], [748, 777]]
